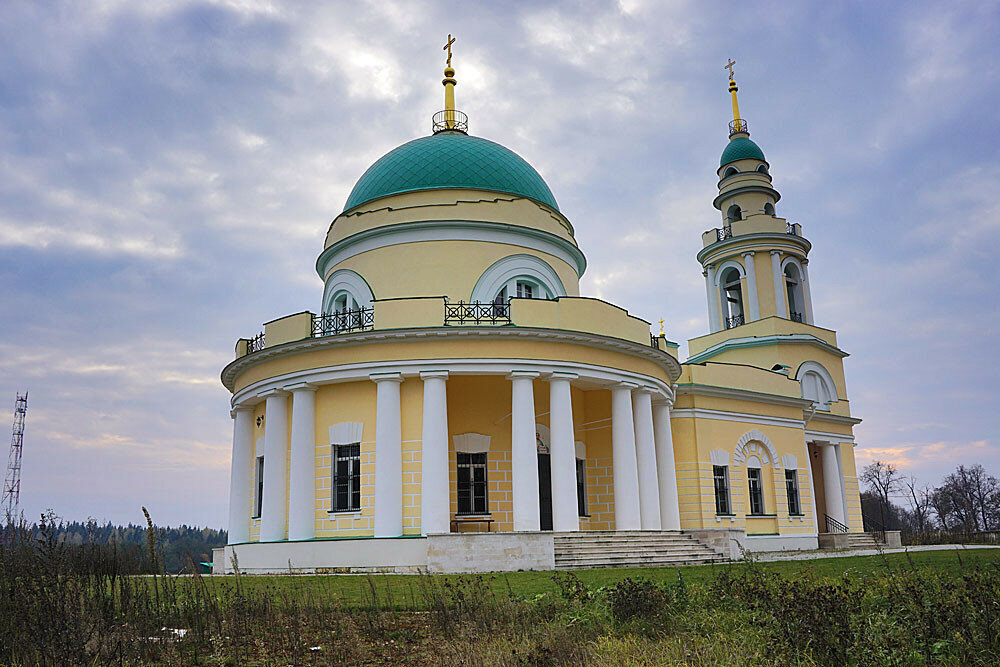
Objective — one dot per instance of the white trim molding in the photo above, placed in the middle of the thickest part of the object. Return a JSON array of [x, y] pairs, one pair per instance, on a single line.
[[346, 433], [471, 443], [754, 341], [720, 415], [745, 448], [789, 462], [719, 457], [350, 282], [511, 268]]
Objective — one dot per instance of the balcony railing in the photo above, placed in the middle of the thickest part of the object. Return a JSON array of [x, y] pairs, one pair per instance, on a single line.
[[723, 233], [450, 119], [790, 229], [476, 312], [256, 344], [738, 125], [795, 317], [735, 321], [360, 319]]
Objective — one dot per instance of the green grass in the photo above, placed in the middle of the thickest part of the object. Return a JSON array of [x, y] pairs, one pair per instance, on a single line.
[[407, 592]]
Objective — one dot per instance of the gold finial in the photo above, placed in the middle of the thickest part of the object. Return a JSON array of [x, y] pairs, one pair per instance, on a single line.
[[447, 47], [728, 66], [738, 124], [661, 327]]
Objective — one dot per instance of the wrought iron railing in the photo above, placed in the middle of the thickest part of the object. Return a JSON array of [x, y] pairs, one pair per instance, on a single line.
[[790, 229], [834, 526], [795, 317], [723, 233], [332, 324], [477, 312], [654, 341], [256, 344], [735, 321], [874, 527], [738, 125], [450, 119]]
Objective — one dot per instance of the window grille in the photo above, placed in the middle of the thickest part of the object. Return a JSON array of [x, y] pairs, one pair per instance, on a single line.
[[259, 490], [347, 478], [792, 488], [721, 476], [581, 487], [756, 491], [472, 498]]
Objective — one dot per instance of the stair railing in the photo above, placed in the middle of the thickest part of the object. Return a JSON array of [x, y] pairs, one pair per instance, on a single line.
[[834, 526], [875, 528]]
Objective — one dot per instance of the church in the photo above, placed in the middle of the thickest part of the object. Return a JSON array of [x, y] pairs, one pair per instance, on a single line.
[[456, 405]]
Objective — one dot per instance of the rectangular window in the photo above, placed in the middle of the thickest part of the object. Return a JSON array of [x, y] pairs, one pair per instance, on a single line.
[[258, 487], [721, 476], [756, 491], [792, 487], [525, 290], [347, 478], [472, 483], [581, 487]]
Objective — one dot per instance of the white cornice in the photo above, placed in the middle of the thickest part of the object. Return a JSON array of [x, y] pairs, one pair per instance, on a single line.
[[721, 415], [757, 341], [830, 418], [485, 333]]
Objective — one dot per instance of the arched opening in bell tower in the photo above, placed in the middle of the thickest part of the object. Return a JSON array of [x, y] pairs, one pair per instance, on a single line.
[[732, 298], [793, 287], [734, 214]]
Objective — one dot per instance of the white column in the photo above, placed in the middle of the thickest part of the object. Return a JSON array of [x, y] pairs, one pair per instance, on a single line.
[[302, 472], [240, 497], [779, 284], [274, 506], [565, 512], [524, 451], [645, 455], [807, 292], [625, 474], [712, 295], [388, 456], [751, 271], [833, 485], [434, 510], [670, 517]]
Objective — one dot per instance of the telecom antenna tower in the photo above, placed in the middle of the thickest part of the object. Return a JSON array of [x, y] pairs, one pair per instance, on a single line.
[[12, 483]]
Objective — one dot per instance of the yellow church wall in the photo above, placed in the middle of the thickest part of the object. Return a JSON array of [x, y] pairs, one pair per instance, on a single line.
[[594, 428], [739, 374], [447, 205], [768, 326], [400, 350], [851, 489], [442, 268], [765, 284], [580, 314]]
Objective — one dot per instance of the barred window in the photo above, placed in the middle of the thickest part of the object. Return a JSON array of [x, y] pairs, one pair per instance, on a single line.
[[756, 491], [258, 487], [581, 487], [792, 487], [472, 497], [721, 476], [347, 478]]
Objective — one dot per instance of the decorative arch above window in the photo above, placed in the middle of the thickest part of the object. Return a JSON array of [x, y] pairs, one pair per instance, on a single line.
[[755, 443], [730, 171], [345, 291], [816, 384], [768, 208], [730, 289], [763, 169], [524, 276], [733, 214]]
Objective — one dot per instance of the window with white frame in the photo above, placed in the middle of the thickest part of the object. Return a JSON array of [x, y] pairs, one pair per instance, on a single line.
[[755, 483], [816, 389], [792, 489], [522, 288], [258, 497], [472, 483], [581, 487], [346, 495], [732, 297], [723, 504]]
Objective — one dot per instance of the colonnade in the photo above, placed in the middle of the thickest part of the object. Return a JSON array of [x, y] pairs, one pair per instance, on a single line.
[[645, 485]]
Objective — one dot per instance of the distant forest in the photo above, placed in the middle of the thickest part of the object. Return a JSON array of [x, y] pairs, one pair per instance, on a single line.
[[176, 546]]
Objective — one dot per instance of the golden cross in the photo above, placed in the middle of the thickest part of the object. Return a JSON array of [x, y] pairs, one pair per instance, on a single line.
[[447, 47], [728, 67], [661, 326]]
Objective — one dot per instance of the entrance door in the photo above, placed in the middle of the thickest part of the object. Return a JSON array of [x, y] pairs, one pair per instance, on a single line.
[[545, 491]]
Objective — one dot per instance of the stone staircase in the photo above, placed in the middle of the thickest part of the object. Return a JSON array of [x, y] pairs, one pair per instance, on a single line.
[[630, 548], [862, 541]]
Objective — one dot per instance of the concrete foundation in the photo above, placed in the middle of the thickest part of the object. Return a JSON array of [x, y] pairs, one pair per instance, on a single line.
[[490, 552]]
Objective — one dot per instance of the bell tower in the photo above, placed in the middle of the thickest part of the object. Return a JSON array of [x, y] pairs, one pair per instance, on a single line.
[[754, 263]]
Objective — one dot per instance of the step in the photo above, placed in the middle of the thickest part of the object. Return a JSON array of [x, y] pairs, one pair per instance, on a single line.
[[610, 558]]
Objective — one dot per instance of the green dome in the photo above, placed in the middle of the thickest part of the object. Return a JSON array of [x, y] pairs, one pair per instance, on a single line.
[[741, 148], [450, 160]]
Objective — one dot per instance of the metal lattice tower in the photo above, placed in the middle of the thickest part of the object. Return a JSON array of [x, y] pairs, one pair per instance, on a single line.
[[12, 482]]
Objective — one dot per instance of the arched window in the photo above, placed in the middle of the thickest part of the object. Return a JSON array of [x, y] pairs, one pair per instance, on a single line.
[[763, 169], [732, 298], [346, 291], [522, 287], [523, 276], [793, 287], [816, 385], [733, 214], [755, 483], [730, 171], [768, 208]]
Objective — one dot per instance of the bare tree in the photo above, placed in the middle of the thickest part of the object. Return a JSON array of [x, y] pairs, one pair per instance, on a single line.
[[920, 503], [882, 479], [973, 497]]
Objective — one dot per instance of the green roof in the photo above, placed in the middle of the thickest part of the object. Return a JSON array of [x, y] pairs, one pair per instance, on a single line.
[[450, 160], [741, 148]]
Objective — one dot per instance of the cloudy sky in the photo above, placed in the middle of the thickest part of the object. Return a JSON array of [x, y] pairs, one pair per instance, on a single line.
[[168, 171]]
